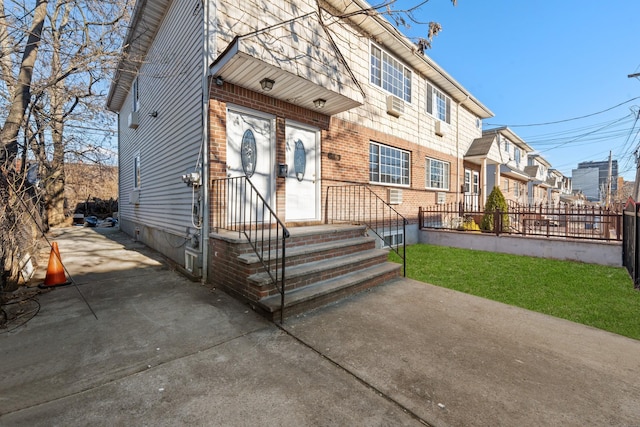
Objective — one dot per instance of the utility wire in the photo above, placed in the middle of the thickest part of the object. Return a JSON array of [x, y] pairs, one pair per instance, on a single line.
[[566, 120]]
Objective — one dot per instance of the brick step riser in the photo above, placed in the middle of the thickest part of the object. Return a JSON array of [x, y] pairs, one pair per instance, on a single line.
[[308, 239], [323, 254]]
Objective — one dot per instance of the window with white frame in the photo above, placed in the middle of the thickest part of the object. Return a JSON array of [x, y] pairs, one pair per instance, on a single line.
[[505, 185], [516, 155], [136, 172], [134, 95], [393, 239], [507, 145], [388, 165], [516, 189], [437, 174], [438, 104], [389, 74]]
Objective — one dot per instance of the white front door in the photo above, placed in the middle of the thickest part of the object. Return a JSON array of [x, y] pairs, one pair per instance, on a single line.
[[303, 176], [250, 153], [471, 190]]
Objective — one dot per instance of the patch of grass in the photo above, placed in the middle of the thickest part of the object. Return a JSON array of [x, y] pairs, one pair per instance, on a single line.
[[594, 295]]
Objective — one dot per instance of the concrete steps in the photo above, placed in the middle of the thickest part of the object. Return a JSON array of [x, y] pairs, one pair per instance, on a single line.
[[322, 264], [321, 293]]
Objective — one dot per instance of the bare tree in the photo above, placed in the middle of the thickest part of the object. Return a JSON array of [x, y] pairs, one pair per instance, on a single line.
[[56, 59]]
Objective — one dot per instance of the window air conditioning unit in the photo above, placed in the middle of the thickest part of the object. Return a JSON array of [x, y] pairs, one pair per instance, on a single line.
[[395, 106], [442, 197], [134, 197], [133, 120], [440, 128], [395, 196]]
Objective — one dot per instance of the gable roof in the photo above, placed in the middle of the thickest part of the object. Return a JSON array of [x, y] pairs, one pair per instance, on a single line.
[[480, 147], [148, 15], [510, 135]]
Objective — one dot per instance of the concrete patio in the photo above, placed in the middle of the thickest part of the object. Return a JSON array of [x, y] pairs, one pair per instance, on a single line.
[[162, 350]]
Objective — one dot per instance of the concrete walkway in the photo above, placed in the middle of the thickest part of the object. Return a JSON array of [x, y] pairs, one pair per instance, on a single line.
[[165, 351]]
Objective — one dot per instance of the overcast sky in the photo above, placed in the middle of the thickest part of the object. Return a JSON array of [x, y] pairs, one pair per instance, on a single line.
[[533, 62]]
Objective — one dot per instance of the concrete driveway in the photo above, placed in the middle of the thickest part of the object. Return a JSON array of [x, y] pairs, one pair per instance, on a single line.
[[162, 350]]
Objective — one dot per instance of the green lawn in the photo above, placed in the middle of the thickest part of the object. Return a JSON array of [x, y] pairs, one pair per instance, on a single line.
[[595, 295]]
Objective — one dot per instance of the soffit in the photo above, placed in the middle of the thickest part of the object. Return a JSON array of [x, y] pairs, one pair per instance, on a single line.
[[145, 22]]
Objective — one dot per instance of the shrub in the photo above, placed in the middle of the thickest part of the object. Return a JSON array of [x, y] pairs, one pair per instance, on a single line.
[[495, 201], [470, 225]]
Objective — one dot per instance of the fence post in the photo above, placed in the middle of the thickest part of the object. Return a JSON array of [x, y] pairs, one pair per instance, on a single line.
[[497, 221], [636, 242]]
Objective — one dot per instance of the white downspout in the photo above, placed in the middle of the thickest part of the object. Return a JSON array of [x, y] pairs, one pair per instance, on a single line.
[[205, 145], [459, 158]]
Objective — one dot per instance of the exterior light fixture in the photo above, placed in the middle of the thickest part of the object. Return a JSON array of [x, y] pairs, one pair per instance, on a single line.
[[267, 84], [153, 114], [319, 103], [219, 81]]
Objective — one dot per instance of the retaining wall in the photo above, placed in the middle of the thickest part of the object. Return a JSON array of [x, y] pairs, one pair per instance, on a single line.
[[588, 251]]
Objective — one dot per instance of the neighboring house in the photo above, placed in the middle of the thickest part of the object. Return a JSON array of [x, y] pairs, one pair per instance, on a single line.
[[289, 94], [560, 189], [539, 187], [497, 158]]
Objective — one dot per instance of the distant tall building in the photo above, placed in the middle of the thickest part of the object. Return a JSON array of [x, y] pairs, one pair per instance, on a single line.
[[591, 179]]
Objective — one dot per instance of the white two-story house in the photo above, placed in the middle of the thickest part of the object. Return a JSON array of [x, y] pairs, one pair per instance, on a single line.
[[539, 186], [298, 97], [500, 158]]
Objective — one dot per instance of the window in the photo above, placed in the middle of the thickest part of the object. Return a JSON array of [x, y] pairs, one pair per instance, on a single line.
[[388, 165], [505, 185], [516, 155], [393, 239], [437, 174], [507, 145], [438, 104], [390, 74], [134, 95], [467, 181], [516, 189], [136, 172]]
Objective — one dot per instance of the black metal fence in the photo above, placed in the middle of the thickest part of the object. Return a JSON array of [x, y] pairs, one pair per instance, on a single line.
[[631, 236], [358, 204], [565, 221]]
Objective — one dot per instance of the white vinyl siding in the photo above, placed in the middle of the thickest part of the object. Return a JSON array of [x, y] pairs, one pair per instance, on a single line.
[[169, 82], [388, 165], [438, 104], [389, 74], [437, 174]]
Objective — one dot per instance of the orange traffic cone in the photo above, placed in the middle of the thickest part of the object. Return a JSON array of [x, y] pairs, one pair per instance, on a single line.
[[55, 270]]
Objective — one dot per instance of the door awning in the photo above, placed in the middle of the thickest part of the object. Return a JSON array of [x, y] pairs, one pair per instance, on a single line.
[[300, 60]]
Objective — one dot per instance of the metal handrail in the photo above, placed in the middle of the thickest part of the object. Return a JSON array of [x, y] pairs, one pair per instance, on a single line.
[[239, 207], [359, 204]]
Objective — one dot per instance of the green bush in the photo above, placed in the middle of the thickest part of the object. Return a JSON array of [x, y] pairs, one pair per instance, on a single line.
[[495, 201]]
